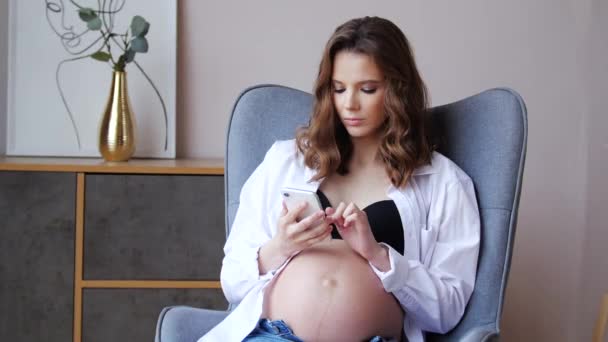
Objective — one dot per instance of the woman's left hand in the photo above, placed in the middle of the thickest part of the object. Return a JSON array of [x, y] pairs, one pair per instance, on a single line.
[[354, 228]]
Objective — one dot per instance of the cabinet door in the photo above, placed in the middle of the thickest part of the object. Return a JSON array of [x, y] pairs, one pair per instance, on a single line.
[[149, 227], [131, 314], [37, 214]]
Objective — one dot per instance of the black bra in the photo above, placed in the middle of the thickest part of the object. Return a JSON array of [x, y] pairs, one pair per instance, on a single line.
[[383, 218]]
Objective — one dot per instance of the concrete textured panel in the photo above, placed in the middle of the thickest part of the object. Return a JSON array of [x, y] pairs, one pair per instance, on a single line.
[[154, 227], [37, 212], [131, 314]]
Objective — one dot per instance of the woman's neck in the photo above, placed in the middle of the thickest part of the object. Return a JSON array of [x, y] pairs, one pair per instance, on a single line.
[[365, 152]]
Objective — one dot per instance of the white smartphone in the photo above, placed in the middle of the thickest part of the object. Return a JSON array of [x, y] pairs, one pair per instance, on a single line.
[[293, 197]]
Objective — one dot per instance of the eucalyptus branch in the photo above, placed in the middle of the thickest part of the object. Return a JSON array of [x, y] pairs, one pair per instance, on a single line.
[[105, 43], [110, 14]]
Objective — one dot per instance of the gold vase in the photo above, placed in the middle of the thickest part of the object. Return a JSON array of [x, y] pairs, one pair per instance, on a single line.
[[117, 127]]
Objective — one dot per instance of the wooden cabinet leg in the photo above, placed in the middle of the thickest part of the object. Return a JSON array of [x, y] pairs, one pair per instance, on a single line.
[[80, 187]]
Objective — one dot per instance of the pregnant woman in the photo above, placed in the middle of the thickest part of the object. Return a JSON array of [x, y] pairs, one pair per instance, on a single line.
[[393, 252]]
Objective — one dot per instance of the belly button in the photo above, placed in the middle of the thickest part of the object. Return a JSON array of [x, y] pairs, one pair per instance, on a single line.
[[329, 282]]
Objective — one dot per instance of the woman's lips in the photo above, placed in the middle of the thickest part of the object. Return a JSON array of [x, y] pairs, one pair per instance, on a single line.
[[353, 122]]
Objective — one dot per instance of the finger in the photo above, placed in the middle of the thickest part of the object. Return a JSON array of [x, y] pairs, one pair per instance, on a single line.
[[310, 220], [316, 231], [282, 222], [302, 236], [329, 216], [350, 209], [358, 217], [349, 220], [338, 214], [294, 213], [320, 237]]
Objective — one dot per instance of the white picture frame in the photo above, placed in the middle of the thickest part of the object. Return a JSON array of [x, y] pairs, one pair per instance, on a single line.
[[38, 117]]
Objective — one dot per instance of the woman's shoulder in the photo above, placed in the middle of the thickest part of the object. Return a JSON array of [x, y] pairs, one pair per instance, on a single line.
[[285, 164], [442, 169], [283, 150], [285, 153]]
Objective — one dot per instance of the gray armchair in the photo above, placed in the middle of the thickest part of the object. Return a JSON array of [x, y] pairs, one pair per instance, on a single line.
[[484, 134]]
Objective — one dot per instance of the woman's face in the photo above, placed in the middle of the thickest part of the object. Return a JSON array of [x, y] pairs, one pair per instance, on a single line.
[[358, 94]]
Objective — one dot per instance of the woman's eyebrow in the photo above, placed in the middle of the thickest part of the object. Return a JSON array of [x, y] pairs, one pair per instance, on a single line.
[[374, 81]]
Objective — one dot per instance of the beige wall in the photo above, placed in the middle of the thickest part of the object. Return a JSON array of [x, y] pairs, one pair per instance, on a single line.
[[594, 265], [3, 68], [535, 47]]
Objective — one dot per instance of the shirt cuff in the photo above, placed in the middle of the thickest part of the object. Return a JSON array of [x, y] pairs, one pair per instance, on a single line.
[[396, 276], [271, 273]]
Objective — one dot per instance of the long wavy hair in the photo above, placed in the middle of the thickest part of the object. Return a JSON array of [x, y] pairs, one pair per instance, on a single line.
[[405, 137]]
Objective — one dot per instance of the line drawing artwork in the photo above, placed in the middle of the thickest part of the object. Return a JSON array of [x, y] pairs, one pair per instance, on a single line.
[[81, 43]]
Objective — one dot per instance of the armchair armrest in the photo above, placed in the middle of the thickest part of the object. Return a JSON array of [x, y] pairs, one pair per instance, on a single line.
[[186, 324], [481, 334]]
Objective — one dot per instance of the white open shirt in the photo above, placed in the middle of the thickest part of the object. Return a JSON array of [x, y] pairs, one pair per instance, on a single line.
[[432, 281]]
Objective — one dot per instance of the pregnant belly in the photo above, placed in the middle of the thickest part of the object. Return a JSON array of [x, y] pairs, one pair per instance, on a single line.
[[330, 293]]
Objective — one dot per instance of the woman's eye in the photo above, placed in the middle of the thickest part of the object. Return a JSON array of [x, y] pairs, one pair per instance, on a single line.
[[339, 91], [369, 90]]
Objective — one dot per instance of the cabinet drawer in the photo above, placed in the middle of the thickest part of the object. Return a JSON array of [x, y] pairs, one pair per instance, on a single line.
[[37, 215], [153, 227], [131, 314]]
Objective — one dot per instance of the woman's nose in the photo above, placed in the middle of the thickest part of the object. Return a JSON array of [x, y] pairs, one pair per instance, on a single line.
[[351, 100]]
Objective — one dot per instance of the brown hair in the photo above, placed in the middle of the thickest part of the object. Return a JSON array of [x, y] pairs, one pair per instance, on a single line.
[[405, 144]]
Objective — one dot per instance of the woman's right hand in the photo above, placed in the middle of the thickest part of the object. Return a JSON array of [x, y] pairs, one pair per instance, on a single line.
[[293, 236]]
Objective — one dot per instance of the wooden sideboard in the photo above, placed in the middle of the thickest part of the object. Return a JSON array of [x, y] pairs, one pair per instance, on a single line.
[[92, 251]]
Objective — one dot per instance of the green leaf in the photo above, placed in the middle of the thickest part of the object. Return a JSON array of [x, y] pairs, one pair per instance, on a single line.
[[139, 26], [129, 55], [95, 24], [139, 44], [101, 56], [87, 14]]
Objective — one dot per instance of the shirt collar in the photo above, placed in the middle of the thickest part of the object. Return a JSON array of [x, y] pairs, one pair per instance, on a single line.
[[424, 170], [427, 169]]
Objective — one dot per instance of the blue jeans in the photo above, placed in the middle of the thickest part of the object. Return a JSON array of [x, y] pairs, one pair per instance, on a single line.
[[277, 331]]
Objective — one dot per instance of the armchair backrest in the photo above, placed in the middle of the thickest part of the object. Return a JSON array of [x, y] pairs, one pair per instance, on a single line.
[[261, 115], [485, 134]]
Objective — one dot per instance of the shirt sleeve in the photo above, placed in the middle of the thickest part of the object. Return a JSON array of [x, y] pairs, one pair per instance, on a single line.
[[434, 292], [250, 230]]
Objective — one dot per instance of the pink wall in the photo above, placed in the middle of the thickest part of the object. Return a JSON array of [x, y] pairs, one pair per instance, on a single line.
[[594, 266]]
